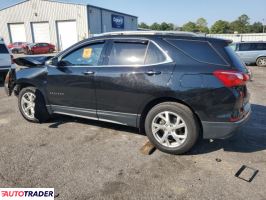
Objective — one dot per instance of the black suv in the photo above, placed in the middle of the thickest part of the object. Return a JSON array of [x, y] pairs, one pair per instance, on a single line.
[[174, 86]]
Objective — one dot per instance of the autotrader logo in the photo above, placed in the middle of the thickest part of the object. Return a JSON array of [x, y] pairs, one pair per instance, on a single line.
[[26, 193], [118, 21]]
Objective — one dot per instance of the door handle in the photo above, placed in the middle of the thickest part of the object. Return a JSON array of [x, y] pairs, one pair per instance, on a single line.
[[88, 73], [151, 73]]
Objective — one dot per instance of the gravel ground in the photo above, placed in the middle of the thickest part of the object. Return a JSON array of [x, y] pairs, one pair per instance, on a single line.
[[84, 159]]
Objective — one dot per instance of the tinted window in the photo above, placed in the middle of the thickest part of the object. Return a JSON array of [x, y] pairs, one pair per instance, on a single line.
[[3, 49], [86, 56], [154, 55], [127, 53], [238, 63], [260, 46], [233, 46], [43, 44], [246, 47], [199, 50]]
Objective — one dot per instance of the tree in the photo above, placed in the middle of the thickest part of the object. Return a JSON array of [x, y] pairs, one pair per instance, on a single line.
[[244, 19], [190, 27], [166, 26], [240, 25], [256, 27], [202, 25], [155, 26], [143, 25], [220, 26]]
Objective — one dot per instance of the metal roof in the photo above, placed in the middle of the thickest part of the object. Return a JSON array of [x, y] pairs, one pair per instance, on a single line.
[[73, 2], [173, 33]]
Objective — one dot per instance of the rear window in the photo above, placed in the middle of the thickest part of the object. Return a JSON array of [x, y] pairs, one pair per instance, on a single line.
[[199, 50], [237, 62], [3, 49]]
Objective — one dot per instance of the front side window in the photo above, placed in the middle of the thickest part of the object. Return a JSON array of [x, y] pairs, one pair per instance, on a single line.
[[127, 53], [88, 55]]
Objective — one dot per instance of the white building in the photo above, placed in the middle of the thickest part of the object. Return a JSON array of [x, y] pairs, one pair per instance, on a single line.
[[59, 23]]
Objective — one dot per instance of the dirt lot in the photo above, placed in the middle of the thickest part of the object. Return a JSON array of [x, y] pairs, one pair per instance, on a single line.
[[83, 159]]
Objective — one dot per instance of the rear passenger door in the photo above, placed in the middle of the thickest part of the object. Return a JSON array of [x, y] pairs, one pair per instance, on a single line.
[[248, 52], [134, 72]]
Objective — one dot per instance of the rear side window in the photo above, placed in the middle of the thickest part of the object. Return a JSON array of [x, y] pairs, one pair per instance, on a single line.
[[246, 47], [154, 55], [199, 50], [127, 53], [3, 49], [261, 46], [237, 62]]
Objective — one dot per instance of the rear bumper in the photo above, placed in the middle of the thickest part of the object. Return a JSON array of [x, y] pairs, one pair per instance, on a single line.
[[222, 130]]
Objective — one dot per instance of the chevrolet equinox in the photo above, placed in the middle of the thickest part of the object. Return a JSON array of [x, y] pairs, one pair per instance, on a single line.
[[174, 86]]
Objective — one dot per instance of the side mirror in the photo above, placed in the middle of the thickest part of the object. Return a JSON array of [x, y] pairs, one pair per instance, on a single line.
[[53, 61]]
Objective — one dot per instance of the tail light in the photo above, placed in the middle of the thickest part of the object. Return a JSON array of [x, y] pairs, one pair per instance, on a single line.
[[231, 78]]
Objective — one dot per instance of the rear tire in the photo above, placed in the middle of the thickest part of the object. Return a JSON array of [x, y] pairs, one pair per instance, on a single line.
[[32, 105], [51, 51], [175, 134], [261, 62]]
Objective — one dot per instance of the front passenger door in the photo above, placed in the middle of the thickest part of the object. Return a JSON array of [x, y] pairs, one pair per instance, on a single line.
[[71, 87]]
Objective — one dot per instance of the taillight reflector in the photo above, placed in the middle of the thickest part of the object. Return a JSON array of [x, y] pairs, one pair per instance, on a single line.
[[231, 78]]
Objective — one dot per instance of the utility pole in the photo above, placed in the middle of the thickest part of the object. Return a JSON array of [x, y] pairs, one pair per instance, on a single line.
[[263, 25]]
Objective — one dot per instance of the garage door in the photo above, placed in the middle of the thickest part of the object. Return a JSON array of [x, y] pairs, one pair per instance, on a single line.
[[41, 32], [17, 32], [67, 34]]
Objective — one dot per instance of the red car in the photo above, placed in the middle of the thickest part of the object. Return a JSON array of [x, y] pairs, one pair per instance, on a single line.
[[39, 48], [17, 47]]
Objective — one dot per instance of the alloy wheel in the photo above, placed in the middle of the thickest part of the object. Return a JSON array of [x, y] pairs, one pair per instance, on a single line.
[[28, 104], [169, 129]]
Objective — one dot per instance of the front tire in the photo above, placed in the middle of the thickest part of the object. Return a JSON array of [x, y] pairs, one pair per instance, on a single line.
[[172, 127], [32, 105], [261, 62]]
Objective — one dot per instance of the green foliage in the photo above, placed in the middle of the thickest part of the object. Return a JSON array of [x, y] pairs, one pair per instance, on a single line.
[[256, 27], [199, 26], [143, 25], [241, 25], [190, 27], [202, 25], [220, 27], [159, 27]]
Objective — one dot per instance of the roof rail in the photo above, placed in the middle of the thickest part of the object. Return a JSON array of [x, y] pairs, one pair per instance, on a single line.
[[175, 33]]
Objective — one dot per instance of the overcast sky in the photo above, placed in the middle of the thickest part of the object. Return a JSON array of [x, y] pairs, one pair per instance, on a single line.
[[179, 11]]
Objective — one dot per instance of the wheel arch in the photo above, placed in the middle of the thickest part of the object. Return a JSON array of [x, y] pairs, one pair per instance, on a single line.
[[260, 56], [23, 84], [20, 85], [156, 101]]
